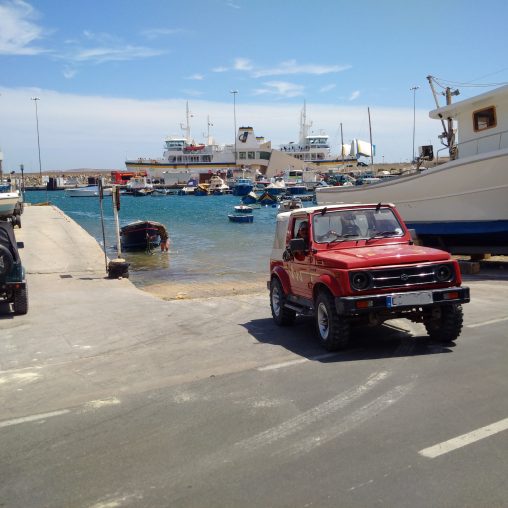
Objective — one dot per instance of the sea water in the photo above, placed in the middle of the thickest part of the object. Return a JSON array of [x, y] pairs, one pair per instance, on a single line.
[[204, 244]]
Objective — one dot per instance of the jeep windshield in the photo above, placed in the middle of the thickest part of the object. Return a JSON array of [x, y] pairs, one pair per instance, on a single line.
[[357, 224]]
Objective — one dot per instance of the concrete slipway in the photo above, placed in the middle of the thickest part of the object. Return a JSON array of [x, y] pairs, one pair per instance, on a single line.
[[110, 397]]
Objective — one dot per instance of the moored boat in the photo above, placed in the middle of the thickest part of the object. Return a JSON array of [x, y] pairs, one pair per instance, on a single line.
[[144, 235], [241, 217], [250, 198], [267, 199], [243, 209], [91, 191], [243, 186]]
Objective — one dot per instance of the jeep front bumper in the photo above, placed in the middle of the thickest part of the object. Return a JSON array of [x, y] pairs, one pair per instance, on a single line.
[[404, 301]]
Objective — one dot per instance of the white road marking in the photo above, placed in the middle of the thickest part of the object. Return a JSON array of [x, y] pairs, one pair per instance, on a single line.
[[290, 363], [350, 421], [464, 440], [485, 323], [312, 415], [33, 418]]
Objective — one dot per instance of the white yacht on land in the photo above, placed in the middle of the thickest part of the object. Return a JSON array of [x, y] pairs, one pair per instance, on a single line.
[[182, 154], [460, 205]]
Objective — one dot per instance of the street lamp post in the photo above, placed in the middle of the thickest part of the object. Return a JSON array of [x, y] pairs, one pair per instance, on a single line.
[[414, 88], [234, 92], [35, 99]]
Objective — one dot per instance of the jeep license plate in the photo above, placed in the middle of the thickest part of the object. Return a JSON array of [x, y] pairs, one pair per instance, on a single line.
[[420, 298]]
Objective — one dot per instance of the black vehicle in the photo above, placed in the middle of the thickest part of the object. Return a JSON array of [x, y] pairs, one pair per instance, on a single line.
[[13, 287]]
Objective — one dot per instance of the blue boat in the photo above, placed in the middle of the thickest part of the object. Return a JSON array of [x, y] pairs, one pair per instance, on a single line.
[[250, 199], [241, 217], [242, 187], [243, 209], [267, 199]]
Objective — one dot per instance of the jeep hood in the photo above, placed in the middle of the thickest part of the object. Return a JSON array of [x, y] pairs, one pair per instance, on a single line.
[[380, 255]]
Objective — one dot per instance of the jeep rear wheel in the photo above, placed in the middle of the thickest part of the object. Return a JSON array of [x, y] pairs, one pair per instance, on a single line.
[[445, 324], [20, 304], [6, 260], [332, 330], [281, 314]]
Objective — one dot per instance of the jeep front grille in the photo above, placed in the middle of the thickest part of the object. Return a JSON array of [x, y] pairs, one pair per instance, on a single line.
[[408, 276]]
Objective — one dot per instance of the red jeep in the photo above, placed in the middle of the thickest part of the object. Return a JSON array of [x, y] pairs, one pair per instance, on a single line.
[[358, 263]]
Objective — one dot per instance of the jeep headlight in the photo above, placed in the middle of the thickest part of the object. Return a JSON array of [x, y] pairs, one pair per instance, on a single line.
[[444, 273], [360, 280]]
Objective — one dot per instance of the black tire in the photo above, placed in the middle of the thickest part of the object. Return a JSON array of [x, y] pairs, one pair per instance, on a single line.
[[446, 325], [332, 330], [17, 221], [6, 260], [281, 314], [20, 304]]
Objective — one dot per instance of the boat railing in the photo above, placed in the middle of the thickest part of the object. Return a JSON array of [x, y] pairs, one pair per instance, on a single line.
[[481, 144]]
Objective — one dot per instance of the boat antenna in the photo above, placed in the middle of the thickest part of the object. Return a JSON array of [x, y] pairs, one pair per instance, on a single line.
[[371, 145], [186, 127]]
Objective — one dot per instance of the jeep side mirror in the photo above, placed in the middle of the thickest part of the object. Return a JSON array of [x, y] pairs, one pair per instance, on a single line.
[[413, 235], [20, 245], [297, 244]]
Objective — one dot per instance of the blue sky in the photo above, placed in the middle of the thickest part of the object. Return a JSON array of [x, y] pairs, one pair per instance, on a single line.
[[113, 76]]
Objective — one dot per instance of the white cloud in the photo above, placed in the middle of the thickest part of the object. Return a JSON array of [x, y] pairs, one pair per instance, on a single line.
[[101, 132], [69, 72], [17, 30], [232, 5], [220, 69], [292, 67], [243, 64], [354, 95], [327, 88], [155, 33], [112, 54], [280, 88], [195, 77], [192, 93]]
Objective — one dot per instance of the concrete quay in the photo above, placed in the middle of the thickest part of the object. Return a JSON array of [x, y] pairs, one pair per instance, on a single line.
[[110, 397]]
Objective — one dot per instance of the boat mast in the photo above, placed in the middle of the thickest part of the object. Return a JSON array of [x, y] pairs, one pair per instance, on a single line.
[[304, 127], [209, 124], [186, 127], [341, 144], [371, 145]]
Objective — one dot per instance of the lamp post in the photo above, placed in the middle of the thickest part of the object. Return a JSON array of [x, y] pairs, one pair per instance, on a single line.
[[414, 88], [35, 99], [234, 92]]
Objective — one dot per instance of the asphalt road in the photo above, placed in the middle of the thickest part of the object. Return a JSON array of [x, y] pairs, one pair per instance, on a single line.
[[110, 397]]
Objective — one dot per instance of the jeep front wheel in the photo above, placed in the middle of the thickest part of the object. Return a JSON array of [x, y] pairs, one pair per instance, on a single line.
[[281, 314], [332, 330], [445, 323]]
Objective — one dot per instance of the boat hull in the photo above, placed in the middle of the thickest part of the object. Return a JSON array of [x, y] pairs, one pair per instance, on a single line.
[[140, 236], [8, 201], [461, 206], [242, 218], [86, 192]]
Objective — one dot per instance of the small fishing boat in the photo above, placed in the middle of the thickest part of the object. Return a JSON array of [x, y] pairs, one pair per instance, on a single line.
[[91, 191], [217, 186], [242, 187], [250, 198], [241, 217], [8, 202], [139, 186], [243, 209], [286, 205], [277, 187], [144, 235], [201, 190], [267, 199]]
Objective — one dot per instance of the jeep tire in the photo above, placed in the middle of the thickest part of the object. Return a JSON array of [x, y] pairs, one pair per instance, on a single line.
[[6, 260], [332, 330], [447, 325], [20, 300], [281, 314]]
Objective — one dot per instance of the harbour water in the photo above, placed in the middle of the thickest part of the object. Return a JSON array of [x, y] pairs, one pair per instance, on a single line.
[[205, 247]]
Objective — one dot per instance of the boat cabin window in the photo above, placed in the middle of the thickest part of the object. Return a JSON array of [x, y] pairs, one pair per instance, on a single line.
[[251, 155], [484, 119]]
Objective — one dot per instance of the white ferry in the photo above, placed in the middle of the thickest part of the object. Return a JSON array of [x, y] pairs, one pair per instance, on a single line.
[[183, 156], [314, 148], [460, 205]]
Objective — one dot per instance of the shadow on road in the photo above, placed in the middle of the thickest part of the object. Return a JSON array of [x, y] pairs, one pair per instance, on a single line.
[[366, 343]]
